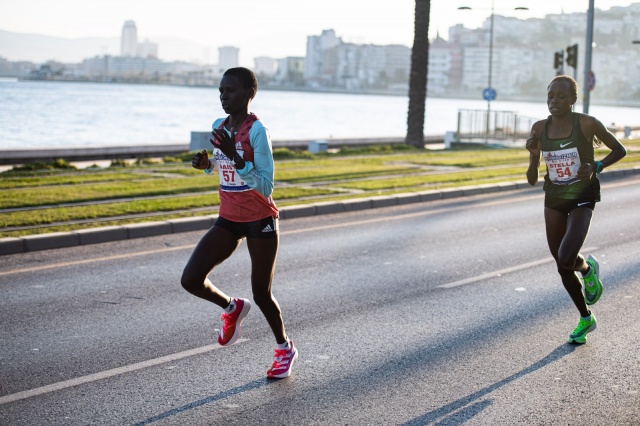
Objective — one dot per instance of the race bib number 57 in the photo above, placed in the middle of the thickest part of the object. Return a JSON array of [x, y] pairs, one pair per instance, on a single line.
[[230, 180]]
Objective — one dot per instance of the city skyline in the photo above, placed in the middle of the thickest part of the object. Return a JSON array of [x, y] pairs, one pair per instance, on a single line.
[[268, 31]]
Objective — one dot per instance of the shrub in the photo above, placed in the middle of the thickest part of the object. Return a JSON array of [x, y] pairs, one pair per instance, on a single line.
[[169, 159], [40, 165], [61, 163], [377, 149], [286, 153], [146, 161], [187, 156], [118, 163]]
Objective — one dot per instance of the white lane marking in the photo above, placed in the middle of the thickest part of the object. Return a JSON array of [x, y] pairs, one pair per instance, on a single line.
[[411, 215], [99, 259], [494, 274], [108, 373]]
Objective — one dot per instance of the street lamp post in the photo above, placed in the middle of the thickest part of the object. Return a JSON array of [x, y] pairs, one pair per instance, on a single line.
[[489, 93], [588, 74]]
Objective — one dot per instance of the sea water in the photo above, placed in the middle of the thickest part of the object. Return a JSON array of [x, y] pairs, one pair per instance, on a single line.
[[71, 114]]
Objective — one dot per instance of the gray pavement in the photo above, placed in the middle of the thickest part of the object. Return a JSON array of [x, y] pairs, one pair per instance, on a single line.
[[448, 312]]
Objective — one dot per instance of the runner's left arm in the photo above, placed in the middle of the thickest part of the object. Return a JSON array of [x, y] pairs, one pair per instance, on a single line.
[[618, 150], [259, 174]]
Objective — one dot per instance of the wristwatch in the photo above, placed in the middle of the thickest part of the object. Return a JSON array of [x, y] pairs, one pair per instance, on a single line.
[[599, 167]]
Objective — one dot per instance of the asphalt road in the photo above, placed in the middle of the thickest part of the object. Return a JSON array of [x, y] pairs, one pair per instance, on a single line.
[[447, 313]]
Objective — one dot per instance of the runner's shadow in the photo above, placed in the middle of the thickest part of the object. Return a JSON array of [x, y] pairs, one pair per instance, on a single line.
[[222, 395], [466, 412]]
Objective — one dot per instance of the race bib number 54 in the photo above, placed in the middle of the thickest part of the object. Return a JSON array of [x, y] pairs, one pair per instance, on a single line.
[[562, 165]]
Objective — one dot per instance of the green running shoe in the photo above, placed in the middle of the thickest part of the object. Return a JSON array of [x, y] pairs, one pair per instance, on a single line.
[[579, 335], [592, 283]]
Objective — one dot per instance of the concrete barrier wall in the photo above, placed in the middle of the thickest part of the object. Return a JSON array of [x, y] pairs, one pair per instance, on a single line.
[[199, 140], [21, 156]]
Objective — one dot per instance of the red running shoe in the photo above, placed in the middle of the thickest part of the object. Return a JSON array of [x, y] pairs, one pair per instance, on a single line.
[[283, 362], [232, 322]]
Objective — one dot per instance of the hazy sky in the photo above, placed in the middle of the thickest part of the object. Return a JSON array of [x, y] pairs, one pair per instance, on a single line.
[[276, 28]]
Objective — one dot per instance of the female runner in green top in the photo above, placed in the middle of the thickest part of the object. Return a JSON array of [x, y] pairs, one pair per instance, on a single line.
[[566, 142]]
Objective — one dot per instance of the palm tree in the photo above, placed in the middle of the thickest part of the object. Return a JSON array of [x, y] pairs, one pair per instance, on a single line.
[[418, 76]]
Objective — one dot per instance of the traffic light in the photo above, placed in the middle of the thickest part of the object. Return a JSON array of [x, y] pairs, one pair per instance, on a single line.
[[572, 56], [558, 58]]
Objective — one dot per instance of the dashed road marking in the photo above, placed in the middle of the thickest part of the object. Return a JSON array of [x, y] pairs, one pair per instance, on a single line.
[[108, 373]]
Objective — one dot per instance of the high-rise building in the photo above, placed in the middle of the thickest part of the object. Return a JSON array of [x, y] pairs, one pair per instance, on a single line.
[[129, 39], [317, 46], [228, 57], [147, 49], [265, 66]]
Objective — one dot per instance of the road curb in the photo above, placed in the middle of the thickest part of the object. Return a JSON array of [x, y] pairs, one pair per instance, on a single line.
[[14, 245]]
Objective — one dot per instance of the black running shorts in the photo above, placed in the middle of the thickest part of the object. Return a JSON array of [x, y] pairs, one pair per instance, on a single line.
[[566, 206], [264, 228]]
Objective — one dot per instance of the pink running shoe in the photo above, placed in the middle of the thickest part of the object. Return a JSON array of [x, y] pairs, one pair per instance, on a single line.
[[283, 362], [232, 322]]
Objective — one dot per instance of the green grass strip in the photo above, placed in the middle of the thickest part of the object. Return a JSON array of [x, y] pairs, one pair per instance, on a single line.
[[46, 216], [31, 188], [7, 182], [28, 197], [468, 177]]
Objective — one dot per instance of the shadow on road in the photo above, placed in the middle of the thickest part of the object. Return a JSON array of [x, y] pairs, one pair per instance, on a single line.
[[351, 386], [467, 412], [222, 395]]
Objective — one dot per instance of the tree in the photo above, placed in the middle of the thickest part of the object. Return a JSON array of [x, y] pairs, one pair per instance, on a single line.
[[418, 75]]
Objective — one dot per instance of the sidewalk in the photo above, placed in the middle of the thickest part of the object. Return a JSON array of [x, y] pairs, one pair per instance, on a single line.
[[148, 229]]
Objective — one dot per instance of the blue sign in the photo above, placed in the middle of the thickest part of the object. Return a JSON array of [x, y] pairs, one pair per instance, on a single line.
[[591, 81], [489, 94]]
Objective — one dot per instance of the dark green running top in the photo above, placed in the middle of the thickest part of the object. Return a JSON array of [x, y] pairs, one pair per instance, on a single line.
[[563, 158]]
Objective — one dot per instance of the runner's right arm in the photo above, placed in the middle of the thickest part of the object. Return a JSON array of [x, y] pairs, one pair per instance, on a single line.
[[533, 146]]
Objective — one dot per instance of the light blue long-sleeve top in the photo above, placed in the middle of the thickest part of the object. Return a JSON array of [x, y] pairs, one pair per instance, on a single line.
[[259, 174]]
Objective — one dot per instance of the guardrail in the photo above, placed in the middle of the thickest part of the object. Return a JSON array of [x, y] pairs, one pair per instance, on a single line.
[[492, 125], [625, 132], [483, 125]]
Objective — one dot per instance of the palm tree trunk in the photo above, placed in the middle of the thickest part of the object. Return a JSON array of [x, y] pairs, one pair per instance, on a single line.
[[418, 75]]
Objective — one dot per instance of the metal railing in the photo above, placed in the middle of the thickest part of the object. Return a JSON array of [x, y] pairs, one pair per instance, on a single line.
[[498, 126]]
